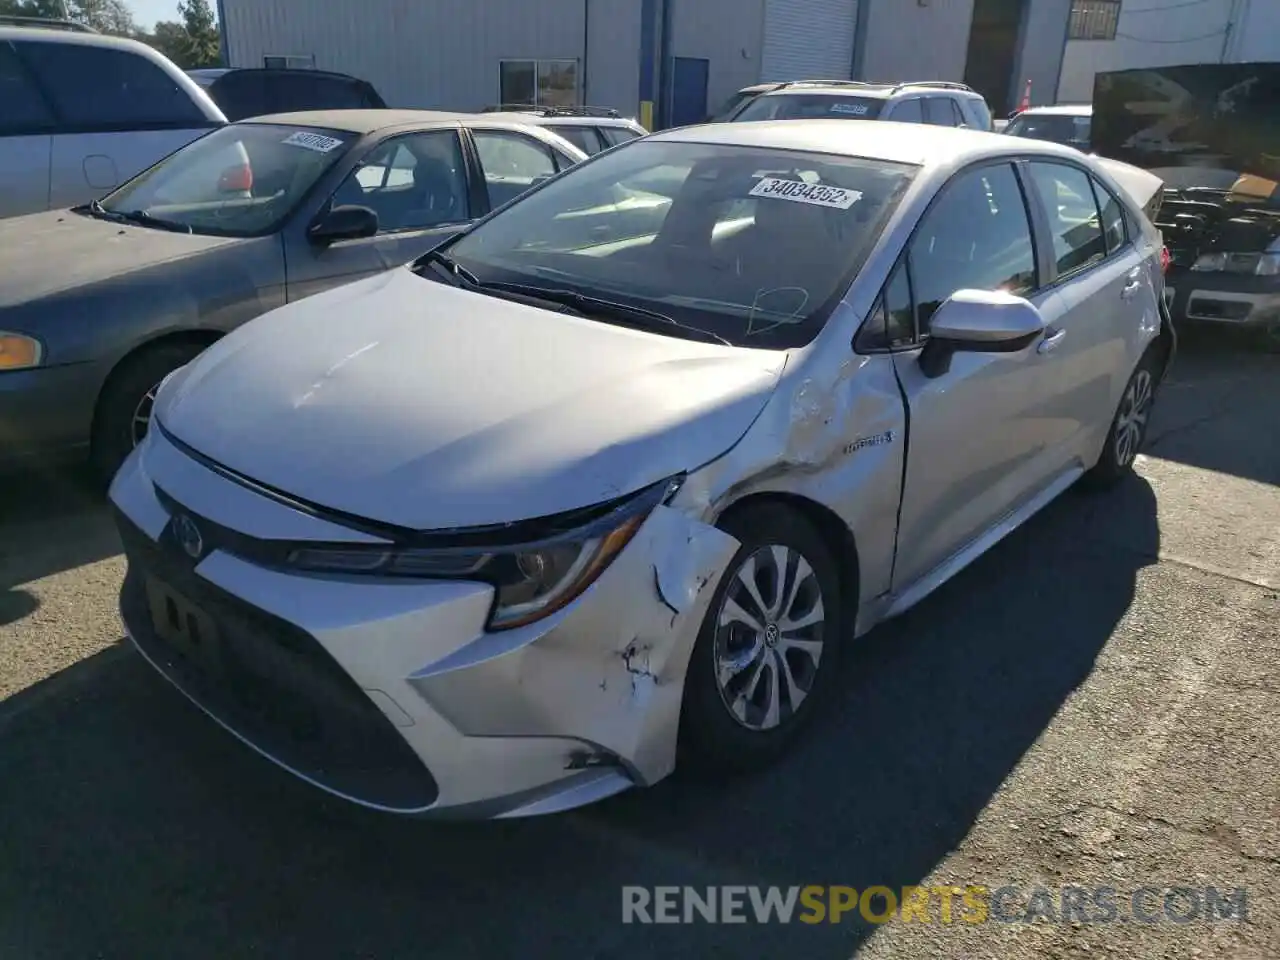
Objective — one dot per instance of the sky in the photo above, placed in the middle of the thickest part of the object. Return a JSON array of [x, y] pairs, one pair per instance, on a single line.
[[147, 12]]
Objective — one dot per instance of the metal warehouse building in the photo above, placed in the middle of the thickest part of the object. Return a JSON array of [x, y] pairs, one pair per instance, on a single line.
[[669, 60]]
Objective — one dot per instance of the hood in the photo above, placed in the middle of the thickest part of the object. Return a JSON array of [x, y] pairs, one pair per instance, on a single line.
[[405, 401], [49, 253]]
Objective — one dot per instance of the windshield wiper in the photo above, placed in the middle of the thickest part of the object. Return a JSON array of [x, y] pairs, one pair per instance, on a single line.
[[636, 317], [455, 270], [96, 209], [141, 217], [145, 219]]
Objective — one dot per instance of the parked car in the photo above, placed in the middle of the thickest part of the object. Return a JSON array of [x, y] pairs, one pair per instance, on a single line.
[[242, 93], [99, 303], [940, 103], [1068, 124], [81, 113], [590, 129], [493, 534], [1208, 131]]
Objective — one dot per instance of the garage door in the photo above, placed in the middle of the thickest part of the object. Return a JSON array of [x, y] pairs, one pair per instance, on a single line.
[[808, 39]]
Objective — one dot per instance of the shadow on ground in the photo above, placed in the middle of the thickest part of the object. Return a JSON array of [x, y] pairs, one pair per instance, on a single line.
[[131, 826], [51, 519]]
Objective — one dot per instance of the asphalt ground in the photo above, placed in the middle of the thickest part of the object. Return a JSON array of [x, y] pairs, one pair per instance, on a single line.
[[1094, 704]]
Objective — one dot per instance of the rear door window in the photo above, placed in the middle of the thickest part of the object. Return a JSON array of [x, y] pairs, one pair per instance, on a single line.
[[616, 135], [941, 112], [584, 138], [908, 111], [95, 88], [22, 106], [1072, 209], [512, 163], [1114, 230]]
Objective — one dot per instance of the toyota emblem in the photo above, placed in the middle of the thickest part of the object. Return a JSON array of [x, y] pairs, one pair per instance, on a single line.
[[188, 536]]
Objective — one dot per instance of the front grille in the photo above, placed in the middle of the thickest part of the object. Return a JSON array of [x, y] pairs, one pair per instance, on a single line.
[[274, 685]]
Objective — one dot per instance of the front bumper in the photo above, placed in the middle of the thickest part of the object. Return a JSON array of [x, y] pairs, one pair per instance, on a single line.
[[1226, 299], [392, 695], [46, 411]]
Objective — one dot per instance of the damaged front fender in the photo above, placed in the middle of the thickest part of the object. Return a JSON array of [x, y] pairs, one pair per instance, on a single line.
[[609, 670]]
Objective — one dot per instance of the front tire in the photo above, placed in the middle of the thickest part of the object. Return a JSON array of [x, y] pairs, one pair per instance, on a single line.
[[124, 407], [767, 655], [1128, 427]]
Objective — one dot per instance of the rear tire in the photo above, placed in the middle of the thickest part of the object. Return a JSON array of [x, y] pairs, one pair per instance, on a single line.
[[749, 692], [1128, 427], [124, 406]]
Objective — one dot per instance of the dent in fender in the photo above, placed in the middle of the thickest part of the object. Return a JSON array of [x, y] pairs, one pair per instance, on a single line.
[[610, 670]]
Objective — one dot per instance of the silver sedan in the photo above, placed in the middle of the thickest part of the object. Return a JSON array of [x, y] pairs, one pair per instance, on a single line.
[[618, 474]]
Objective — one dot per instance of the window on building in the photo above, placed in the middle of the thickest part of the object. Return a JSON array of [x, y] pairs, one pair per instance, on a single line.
[[538, 83], [301, 62], [1094, 19]]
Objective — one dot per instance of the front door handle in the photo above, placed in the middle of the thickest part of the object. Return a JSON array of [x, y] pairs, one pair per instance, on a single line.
[[1051, 340]]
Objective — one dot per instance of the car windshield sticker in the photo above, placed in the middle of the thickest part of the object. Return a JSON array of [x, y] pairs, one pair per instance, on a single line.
[[854, 109], [313, 141], [801, 192]]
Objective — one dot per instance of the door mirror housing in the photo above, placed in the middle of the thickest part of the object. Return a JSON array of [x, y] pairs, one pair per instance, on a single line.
[[979, 321], [348, 222]]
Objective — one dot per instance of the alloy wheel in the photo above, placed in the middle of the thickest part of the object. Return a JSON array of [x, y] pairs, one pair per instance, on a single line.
[[141, 421], [769, 638], [1131, 421]]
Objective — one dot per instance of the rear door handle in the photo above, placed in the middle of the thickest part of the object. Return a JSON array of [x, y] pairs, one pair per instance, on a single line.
[[1133, 283], [1051, 340]]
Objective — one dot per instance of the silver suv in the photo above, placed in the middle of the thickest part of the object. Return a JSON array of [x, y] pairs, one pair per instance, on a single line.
[[941, 103], [82, 113]]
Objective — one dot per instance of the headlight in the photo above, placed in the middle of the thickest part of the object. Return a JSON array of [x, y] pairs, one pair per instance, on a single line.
[[18, 351], [1255, 264], [531, 580]]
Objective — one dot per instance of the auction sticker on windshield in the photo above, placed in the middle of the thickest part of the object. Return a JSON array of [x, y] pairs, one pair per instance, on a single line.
[[853, 109], [802, 192], [313, 141]]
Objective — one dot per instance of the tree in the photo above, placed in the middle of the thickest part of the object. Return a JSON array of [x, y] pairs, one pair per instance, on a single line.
[[192, 43]]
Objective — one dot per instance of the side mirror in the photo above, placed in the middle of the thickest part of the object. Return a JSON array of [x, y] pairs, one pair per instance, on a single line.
[[979, 321], [344, 223]]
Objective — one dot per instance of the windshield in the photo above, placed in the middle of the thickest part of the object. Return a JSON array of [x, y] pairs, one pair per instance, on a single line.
[[241, 180], [810, 106], [754, 246], [1056, 127]]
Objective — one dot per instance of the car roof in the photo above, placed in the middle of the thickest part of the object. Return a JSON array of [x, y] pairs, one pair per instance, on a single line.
[[1061, 110], [516, 116], [362, 121], [914, 143], [879, 91]]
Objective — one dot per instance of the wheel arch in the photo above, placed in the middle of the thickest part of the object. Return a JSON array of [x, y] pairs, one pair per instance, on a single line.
[[197, 337], [835, 533]]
